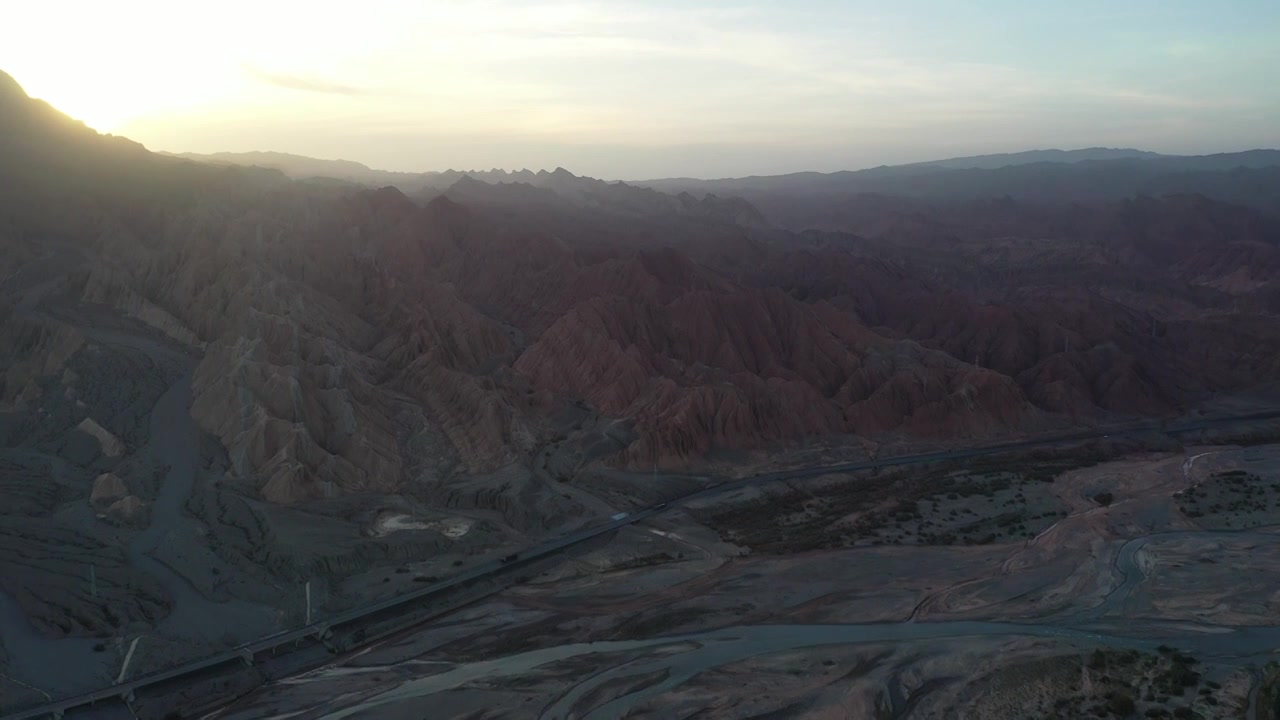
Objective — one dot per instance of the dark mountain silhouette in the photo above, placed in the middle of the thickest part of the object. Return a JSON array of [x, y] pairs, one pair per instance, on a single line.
[[802, 200], [302, 167], [837, 201], [688, 317], [1027, 157]]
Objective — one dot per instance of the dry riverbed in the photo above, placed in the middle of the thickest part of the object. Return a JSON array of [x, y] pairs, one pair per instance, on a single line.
[[1119, 604]]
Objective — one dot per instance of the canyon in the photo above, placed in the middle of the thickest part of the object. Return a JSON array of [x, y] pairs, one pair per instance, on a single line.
[[225, 379]]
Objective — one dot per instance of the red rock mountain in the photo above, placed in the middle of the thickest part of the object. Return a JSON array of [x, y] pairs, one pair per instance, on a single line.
[[354, 338]]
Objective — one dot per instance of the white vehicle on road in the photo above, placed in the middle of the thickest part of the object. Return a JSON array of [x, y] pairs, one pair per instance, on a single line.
[[617, 516]]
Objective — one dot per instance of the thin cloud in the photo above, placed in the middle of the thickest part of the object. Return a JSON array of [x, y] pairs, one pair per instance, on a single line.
[[294, 82]]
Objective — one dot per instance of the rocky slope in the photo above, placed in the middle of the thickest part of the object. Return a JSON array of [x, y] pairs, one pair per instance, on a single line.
[[342, 330], [218, 383]]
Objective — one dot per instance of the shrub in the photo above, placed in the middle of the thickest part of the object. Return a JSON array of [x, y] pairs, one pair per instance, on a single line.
[[1121, 705], [1098, 660], [1181, 675]]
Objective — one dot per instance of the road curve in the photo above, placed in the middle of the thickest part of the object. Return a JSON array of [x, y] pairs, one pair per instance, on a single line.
[[281, 641]]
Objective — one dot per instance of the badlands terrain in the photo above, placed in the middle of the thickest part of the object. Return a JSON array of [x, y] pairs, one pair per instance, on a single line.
[[238, 394]]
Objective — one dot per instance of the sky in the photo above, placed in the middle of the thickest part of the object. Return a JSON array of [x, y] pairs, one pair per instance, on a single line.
[[636, 90]]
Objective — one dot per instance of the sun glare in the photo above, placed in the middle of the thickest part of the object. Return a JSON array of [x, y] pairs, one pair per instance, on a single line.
[[101, 108], [121, 63]]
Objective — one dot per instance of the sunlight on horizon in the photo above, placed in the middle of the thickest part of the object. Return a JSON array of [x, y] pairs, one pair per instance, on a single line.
[[633, 89]]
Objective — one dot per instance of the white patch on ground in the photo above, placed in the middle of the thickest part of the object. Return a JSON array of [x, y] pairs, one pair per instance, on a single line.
[[452, 528], [110, 444]]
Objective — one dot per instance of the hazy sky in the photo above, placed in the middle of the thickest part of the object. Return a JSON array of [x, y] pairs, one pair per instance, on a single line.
[[632, 89]]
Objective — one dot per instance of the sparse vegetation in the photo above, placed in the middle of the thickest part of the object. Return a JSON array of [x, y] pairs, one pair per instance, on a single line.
[[1127, 683], [1232, 499], [1121, 704], [1269, 693], [989, 503]]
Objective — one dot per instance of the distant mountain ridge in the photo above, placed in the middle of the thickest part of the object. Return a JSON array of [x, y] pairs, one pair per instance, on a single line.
[[831, 201], [1085, 174], [500, 187], [1035, 156], [1066, 158], [301, 167]]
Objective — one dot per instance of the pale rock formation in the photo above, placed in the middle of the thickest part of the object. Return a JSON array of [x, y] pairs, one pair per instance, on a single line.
[[129, 510], [110, 444], [107, 489]]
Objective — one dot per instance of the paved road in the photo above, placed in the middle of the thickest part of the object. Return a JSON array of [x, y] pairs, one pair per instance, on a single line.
[[281, 641]]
